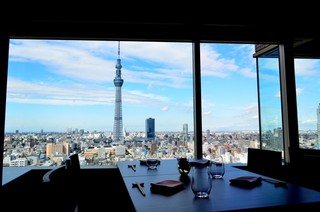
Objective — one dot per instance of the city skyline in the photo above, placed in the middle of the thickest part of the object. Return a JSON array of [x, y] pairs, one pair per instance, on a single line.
[[57, 84]]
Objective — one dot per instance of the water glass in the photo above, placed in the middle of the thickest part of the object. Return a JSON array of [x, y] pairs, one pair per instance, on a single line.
[[217, 168], [152, 162], [201, 181]]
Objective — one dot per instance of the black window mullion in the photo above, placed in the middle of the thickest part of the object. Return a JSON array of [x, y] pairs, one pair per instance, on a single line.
[[197, 100]]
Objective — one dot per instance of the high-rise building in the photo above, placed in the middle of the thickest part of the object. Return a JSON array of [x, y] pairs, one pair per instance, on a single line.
[[208, 134], [185, 132], [150, 128], [118, 82]]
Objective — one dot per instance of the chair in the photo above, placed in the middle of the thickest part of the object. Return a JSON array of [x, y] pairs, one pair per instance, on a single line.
[[303, 167], [304, 157], [64, 181], [264, 161]]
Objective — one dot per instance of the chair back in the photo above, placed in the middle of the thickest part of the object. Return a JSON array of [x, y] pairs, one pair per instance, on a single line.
[[264, 159]]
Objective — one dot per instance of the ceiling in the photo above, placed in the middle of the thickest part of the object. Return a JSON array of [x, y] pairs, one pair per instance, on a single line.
[[248, 25]]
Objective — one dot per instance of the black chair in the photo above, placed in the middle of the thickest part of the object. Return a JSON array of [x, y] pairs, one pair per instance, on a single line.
[[63, 182], [307, 158], [303, 167], [264, 161]]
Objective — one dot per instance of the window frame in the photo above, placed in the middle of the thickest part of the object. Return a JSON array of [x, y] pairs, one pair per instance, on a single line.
[[290, 125]]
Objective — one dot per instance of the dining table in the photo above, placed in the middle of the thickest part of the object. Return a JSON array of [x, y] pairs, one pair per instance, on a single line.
[[269, 194]]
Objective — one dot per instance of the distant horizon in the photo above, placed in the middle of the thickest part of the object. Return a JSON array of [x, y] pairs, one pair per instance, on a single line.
[[99, 131], [61, 84]]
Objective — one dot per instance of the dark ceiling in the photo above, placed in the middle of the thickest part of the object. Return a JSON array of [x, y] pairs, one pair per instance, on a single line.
[[239, 26]]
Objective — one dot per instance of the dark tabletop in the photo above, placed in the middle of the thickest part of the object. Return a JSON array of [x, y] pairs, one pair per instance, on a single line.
[[223, 196]]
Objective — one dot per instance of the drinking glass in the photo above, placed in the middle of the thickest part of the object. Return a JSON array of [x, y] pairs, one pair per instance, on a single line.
[[217, 168], [201, 181], [152, 161]]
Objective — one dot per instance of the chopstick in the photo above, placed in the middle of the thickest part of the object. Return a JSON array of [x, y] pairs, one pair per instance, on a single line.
[[275, 182], [140, 187]]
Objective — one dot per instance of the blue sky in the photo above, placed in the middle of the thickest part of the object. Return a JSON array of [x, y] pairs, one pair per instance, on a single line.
[[55, 85]]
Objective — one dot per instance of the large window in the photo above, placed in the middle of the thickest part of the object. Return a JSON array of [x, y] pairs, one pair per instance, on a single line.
[[229, 101], [308, 102], [62, 98], [65, 97], [270, 103]]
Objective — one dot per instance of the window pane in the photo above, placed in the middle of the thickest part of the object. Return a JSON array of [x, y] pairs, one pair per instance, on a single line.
[[270, 104], [61, 100], [229, 101], [308, 102]]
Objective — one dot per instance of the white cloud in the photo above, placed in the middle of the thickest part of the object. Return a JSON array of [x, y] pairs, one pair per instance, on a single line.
[[309, 121], [250, 109], [73, 94], [95, 61], [247, 72], [207, 113], [165, 109], [213, 64], [304, 67], [299, 91]]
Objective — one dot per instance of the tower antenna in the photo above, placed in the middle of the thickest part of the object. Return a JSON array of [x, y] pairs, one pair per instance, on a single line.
[[118, 49]]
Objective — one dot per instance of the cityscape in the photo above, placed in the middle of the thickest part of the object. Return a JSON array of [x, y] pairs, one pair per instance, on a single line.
[[99, 148], [96, 147]]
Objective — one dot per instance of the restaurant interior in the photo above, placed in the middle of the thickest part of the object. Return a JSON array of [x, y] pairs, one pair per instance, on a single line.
[[103, 189]]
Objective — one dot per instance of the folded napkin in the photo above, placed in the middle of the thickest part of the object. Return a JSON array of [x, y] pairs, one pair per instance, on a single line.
[[246, 181], [167, 187]]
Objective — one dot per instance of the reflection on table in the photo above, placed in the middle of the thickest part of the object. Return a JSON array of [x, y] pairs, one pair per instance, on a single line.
[[223, 196]]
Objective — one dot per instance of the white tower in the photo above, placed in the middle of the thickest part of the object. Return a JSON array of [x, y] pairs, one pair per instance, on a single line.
[[118, 125]]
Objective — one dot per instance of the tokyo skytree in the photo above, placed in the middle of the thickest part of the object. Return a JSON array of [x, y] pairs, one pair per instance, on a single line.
[[118, 125]]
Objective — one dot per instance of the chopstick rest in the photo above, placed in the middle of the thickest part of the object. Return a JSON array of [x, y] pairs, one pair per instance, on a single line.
[[133, 167]]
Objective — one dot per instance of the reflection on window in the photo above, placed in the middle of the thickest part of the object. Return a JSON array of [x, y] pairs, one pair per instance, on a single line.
[[308, 102], [270, 104]]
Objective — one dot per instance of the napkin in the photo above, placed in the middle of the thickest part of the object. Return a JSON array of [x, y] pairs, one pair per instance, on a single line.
[[246, 181], [166, 187]]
